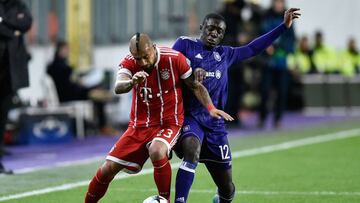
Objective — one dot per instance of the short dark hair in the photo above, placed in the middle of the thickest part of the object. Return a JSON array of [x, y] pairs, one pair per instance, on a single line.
[[213, 16]]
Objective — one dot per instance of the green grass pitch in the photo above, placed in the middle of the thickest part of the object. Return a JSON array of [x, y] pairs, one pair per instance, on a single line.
[[324, 172]]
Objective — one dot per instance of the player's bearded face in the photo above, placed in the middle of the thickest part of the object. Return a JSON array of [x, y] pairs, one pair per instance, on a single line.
[[213, 31], [146, 59]]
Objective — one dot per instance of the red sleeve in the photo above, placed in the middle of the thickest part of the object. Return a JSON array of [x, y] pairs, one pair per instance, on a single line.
[[184, 66], [127, 66]]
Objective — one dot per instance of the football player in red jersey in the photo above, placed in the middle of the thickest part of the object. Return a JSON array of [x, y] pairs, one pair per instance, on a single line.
[[155, 75]]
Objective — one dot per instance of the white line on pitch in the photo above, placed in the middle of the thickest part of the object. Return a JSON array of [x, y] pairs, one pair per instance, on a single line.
[[254, 192], [238, 154]]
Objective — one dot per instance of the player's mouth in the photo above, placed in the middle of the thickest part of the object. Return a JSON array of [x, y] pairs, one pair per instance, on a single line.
[[211, 41], [147, 68]]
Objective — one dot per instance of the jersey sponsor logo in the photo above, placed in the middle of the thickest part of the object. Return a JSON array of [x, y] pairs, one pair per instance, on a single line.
[[198, 56], [165, 74], [216, 74], [145, 93], [217, 56]]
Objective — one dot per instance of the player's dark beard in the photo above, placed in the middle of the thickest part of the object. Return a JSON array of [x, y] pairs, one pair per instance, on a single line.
[[148, 69]]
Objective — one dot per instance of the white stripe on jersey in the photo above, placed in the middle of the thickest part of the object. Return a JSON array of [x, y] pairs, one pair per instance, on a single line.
[[175, 139], [176, 94], [161, 97], [168, 50], [129, 57], [122, 69], [148, 108], [135, 111], [169, 54], [187, 74]]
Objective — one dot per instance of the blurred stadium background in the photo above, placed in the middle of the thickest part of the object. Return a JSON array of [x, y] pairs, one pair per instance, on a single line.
[[313, 157]]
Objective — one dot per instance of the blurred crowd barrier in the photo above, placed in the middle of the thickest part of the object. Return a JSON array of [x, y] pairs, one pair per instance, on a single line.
[[325, 93]]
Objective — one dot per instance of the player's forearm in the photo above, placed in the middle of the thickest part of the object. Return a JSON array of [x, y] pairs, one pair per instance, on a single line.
[[202, 95], [261, 43], [123, 86]]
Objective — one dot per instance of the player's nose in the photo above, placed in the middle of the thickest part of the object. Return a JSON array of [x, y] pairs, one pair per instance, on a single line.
[[142, 62]]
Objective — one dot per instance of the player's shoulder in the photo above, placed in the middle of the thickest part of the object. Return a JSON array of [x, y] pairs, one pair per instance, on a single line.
[[187, 39], [169, 52], [128, 62]]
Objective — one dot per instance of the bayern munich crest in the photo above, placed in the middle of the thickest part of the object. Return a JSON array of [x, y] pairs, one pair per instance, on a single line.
[[165, 74]]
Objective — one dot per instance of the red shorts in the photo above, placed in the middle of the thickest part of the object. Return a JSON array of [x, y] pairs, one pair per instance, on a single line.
[[131, 150]]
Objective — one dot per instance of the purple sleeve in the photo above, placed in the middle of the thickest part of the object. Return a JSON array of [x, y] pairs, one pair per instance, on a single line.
[[257, 45]]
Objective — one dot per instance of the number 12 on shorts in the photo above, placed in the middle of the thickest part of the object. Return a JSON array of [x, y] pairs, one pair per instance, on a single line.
[[224, 149]]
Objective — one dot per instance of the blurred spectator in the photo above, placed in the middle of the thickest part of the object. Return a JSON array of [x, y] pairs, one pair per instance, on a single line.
[[252, 16], [70, 90], [275, 73], [232, 15], [15, 21], [349, 60], [324, 57], [300, 62]]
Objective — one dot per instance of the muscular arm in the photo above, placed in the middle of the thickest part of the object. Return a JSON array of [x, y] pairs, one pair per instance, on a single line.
[[123, 83], [259, 44], [203, 96], [199, 91]]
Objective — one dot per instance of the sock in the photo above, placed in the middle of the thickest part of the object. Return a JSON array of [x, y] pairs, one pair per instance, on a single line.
[[184, 180], [162, 177], [97, 187]]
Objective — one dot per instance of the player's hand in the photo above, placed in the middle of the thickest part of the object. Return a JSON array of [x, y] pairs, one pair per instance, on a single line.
[[216, 113], [199, 74], [139, 77], [290, 15]]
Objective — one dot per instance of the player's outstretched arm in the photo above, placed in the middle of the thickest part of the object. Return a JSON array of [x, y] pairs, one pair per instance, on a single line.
[[261, 43], [124, 82], [203, 96]]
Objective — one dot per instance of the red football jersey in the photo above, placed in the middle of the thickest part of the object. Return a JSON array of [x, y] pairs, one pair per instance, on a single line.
[[158, 100]]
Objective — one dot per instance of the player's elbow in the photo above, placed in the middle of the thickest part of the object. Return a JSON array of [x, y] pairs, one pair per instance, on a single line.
[[120, 89], [117, 90]]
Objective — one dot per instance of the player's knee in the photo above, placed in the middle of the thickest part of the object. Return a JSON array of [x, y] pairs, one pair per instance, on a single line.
[[109, 169], [191, 148], [227, 191], [157, 150]]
